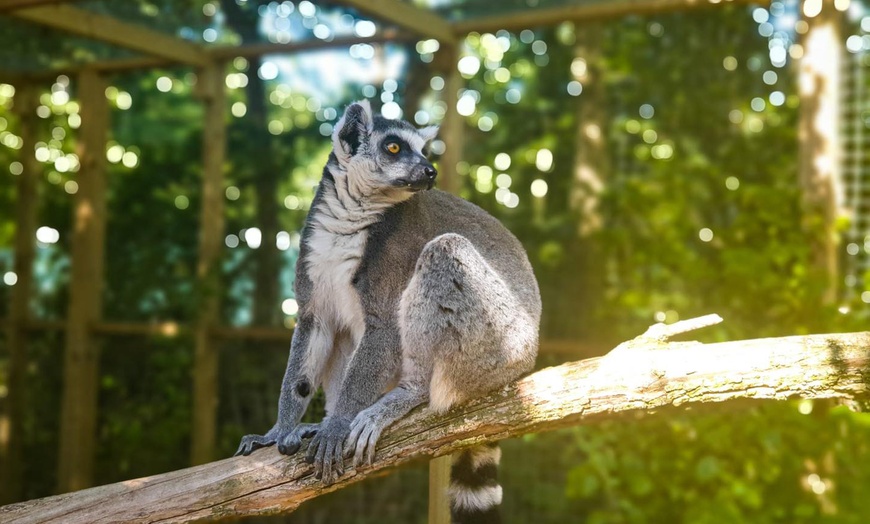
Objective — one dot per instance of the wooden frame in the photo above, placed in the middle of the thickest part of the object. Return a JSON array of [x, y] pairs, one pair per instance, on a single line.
[[162, 50], [26, 207], [420, 21], [211, 230], [567, 348], [222, 52], [581, 12], [113, 31], [12, 5], [81, 359]]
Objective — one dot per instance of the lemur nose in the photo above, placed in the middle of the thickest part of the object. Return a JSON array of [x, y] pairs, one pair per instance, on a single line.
[[430, 171]]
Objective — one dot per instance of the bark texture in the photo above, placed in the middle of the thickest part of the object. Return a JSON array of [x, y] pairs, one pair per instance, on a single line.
[[638, 376]]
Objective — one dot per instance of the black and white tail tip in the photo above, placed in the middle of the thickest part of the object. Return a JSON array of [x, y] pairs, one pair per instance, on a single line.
[[474, 491]]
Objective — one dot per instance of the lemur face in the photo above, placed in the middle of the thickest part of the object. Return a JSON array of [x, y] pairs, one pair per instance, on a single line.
[[382, 157]]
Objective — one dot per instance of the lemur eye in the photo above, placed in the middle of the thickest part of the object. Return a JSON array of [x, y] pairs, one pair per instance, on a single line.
[[393, 147]]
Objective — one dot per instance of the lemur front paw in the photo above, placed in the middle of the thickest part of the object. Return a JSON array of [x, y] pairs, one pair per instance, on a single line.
[[326, 450], [251, 443], [365, 430], [290, 442]]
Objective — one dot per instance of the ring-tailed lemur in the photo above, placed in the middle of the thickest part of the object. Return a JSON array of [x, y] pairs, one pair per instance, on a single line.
[[405, 297]]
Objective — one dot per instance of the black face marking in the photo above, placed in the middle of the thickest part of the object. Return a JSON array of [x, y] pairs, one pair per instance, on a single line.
[[383, 125], [303, 388]]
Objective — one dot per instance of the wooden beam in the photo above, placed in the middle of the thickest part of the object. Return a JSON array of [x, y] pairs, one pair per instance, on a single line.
[[20, 78], [580, 12], [26, 206], [132, 329], [562, 347], [35, 325], [81, 378], [256, 50], [254, 333], [403, 14], [11, 5], [222, 52], [652, 379], [211, 227], [113, 31]]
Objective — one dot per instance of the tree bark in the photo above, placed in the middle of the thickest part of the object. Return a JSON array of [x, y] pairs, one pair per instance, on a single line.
[[638, 376]]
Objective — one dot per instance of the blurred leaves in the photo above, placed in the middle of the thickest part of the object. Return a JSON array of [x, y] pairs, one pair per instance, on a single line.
[[730, 465]]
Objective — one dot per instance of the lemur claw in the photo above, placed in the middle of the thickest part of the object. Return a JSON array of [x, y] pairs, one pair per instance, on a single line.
[[289, 443], [365, 430], [252, 443], [326, 449]]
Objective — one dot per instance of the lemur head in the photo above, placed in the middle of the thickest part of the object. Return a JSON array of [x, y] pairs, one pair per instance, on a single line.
[[381, 158]]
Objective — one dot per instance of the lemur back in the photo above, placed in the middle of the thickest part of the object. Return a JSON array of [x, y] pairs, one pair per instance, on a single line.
[[406, 297]]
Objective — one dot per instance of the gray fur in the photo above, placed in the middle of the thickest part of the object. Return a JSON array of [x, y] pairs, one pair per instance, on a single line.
[[405, 297]]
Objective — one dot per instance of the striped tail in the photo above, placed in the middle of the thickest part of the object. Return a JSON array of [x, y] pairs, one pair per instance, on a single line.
[[474, 491]]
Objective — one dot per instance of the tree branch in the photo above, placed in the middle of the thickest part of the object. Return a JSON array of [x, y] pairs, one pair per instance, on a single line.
[[645, 377]]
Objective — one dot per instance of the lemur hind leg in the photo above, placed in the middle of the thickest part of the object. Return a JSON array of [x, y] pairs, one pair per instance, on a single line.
[[463, 334]]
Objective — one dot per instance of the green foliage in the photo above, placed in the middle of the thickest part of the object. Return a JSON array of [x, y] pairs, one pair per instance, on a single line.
[[766, 464]]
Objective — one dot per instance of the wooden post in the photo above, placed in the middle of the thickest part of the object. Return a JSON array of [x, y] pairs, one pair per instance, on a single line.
[[26, 205], [453, 126], [81, 363], [205, 370], [453, 134], [439, 481], [818, 137]]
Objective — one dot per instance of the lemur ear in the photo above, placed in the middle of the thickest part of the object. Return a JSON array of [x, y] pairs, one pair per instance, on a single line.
[[352, 130], [428, 133]]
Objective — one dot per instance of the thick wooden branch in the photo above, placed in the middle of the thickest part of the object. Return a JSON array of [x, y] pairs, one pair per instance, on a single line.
[[640, 377]]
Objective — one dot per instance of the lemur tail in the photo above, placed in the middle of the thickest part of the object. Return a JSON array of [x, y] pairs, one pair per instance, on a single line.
[[474, 491]]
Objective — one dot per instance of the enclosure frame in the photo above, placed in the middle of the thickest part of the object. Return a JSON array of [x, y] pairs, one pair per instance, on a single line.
[[404, 22]]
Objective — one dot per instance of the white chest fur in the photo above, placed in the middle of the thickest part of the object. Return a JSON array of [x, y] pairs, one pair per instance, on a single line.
[[332, 262], [336, 246]]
